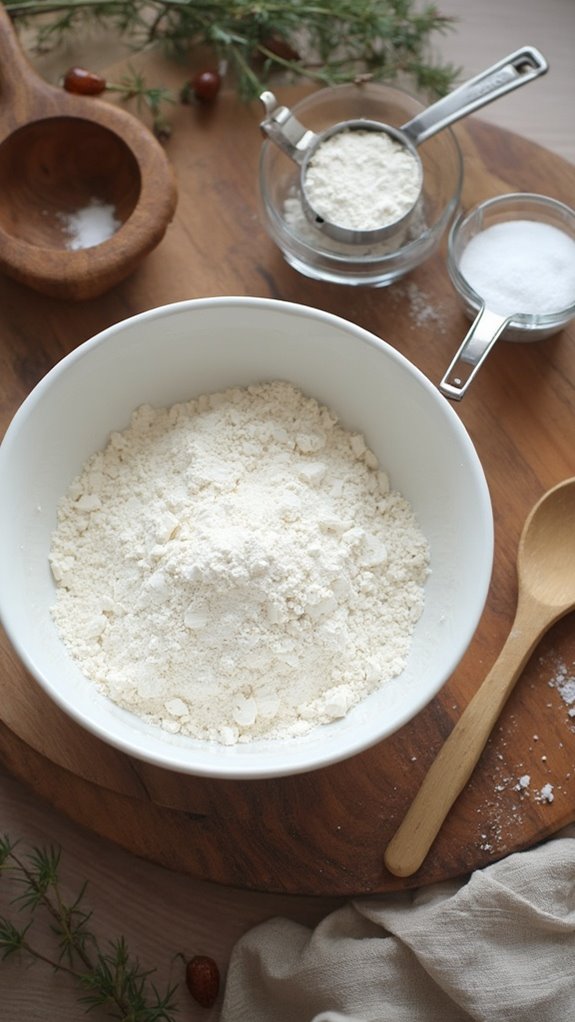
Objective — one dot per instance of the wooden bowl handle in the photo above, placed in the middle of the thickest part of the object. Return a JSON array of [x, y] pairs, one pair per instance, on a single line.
[[16, 72]]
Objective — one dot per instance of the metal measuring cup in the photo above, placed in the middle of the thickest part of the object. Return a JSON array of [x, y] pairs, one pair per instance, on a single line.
[[491, 322], [300, 143]]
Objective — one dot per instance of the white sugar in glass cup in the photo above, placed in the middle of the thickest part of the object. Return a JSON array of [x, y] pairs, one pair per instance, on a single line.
[[512, 261]]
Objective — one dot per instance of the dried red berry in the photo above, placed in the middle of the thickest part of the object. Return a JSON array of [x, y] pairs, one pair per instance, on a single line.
[[280, 48], [203, 980], [206, 85], [83, 82]]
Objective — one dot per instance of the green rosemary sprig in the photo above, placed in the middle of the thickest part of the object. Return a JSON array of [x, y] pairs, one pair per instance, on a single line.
[[108, 977], [327, 41], [133, 85]]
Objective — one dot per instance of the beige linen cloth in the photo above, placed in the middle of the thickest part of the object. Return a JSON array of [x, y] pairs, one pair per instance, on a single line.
[[498, 947]]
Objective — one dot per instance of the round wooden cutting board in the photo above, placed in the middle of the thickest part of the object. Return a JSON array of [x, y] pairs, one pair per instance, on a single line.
[[325, 832]]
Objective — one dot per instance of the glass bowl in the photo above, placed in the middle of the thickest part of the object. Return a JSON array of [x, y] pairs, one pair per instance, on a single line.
[[491, 321], [503, 209], [314, 254]]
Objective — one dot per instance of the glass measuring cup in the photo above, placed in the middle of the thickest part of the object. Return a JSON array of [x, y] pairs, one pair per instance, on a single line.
[[301, 144], [492, 323]]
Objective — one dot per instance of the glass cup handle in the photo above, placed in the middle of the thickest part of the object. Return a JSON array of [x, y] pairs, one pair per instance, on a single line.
[[481, 337]]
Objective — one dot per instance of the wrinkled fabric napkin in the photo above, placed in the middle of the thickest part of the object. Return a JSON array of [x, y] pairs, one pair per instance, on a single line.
[[498, 947]]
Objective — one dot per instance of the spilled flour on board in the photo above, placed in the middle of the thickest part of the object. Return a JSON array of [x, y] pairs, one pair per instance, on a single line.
[[537, 778], [563, 681]]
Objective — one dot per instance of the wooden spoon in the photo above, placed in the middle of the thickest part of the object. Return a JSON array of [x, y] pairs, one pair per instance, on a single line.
[[546, 582], [58, 152]]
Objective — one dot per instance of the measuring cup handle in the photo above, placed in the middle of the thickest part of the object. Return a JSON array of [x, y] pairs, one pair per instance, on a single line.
[[284, 129], [481, 337], [511, 72]]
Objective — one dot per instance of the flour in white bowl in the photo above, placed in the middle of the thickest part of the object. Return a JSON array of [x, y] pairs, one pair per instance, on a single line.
[[237, 567]]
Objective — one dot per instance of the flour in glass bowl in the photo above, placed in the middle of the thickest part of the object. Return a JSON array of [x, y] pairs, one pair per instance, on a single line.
[[237, 567]]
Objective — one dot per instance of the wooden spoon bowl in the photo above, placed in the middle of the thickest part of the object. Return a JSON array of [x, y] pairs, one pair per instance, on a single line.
[[58, 153]]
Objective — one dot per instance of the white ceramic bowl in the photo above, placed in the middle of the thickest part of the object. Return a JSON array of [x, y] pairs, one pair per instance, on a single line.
[[179, 351]]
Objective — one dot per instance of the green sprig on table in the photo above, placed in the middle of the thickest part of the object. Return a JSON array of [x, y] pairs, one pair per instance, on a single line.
[[107, 975], [327, 41]]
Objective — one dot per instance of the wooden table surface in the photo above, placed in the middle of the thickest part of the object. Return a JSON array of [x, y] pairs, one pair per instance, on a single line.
[[325, 831], [519, 414]]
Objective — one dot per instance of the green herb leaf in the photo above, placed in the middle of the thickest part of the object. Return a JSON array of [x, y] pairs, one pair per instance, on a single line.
[[108, 977], [334, 41]]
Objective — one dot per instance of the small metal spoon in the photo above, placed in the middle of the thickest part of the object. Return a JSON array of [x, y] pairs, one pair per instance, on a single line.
[[300, 143], [546, 578]]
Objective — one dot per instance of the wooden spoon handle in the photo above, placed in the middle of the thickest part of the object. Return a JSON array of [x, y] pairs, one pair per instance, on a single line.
[[456, 760]]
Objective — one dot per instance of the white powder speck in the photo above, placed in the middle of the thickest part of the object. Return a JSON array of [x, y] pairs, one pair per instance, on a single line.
[[237, 567], [523, 782], [563, 681], [422, 310], [566, 689], [90, 225], [546, 794]]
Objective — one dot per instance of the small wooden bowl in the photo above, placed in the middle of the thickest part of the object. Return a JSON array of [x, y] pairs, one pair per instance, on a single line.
[[59, 152]]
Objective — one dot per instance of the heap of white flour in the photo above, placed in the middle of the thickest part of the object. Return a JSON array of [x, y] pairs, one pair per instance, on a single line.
[[236, 567], [362, 180]]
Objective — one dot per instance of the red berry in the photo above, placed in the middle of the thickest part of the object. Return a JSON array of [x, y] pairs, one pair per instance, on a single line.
[[83, 82], [280, 48], [203, 980], [206, 85]]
